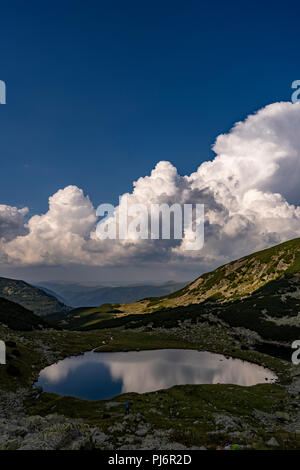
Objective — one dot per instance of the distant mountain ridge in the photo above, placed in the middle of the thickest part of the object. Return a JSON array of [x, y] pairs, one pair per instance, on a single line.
[[30, 297], [81, 295]]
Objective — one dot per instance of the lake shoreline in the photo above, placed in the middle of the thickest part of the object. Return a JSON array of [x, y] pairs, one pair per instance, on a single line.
[[99, 375], [40, 349]]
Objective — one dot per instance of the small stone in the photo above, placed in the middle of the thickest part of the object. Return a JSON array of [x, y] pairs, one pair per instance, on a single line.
[[272, 442], [98, 437], [281, 415]]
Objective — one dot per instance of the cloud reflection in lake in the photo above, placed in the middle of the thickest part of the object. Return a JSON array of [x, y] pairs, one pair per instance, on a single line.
[[103, 375]]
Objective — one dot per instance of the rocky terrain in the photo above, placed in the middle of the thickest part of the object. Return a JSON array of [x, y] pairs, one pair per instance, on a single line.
[[248, 309], [184, 417], [56, 432]]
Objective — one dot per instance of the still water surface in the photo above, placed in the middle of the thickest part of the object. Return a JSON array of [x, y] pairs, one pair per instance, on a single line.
[[98, 376]]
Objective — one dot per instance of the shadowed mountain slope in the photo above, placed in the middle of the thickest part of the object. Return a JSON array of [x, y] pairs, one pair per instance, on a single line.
[[30, 297], [17, 317]]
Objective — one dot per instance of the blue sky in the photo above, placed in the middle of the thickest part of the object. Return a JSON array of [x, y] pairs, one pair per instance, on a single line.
[[98, 92]]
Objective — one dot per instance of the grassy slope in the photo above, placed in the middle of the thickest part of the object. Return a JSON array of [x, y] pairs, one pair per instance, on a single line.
[[232, 281], [264, 283], [90, 317], [30, 297]]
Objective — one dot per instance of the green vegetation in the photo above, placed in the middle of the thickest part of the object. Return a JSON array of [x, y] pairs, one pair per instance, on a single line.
[[193, 414], [132, 340], [84, 318], [259, 312], [190, 411], [258, 292], [17, 317], [30, 297]]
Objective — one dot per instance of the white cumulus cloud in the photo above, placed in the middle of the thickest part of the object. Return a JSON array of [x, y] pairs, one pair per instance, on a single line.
[[250, 191], [12, 221]]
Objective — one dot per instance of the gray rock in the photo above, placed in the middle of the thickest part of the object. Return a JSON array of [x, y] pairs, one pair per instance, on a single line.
[[282, 416], [117, 427], [98, 437], [272, 442], [143, 430]]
